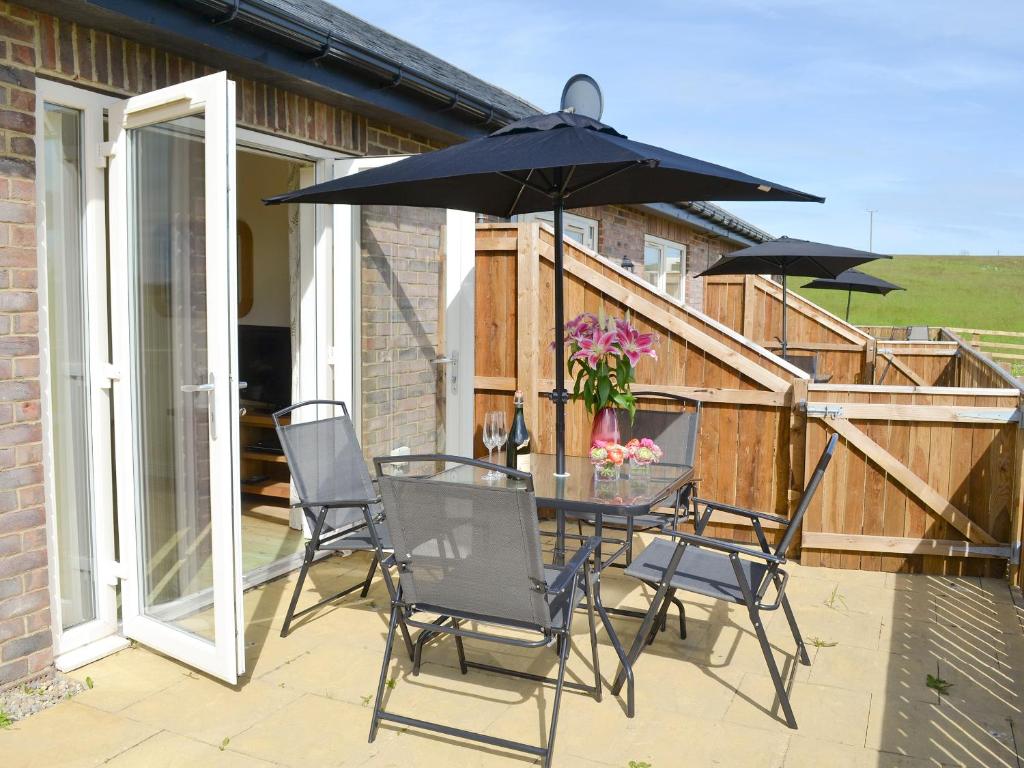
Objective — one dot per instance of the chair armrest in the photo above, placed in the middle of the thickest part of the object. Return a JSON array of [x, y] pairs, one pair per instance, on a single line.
[[337, 503], [568, 573], [725, 546], [740, 511]]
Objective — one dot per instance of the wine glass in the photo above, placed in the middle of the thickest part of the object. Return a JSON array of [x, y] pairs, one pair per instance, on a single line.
[[489, 442], [500, 432]]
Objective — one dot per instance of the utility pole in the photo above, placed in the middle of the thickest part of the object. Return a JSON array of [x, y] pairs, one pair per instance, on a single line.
[[871, 228]]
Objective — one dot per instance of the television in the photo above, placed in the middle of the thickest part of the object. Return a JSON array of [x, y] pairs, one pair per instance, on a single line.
[[265, 365]]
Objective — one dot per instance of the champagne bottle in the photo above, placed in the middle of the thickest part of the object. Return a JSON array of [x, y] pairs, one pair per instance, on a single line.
[[517, 450]]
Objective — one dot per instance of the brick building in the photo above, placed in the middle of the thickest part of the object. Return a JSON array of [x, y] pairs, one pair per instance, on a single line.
[[100, 311]]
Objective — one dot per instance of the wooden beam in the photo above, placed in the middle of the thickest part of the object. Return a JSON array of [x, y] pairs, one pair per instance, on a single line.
[[895, 389], [903, 368], [897, 545], [496, 383], [959, 414], [676, 325], [813, 346], [528, 322], [1018, 334], [704, 394], [931, 498]]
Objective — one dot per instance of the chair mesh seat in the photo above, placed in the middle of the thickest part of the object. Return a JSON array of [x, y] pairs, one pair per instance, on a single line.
[[359, 540], [700, 571]]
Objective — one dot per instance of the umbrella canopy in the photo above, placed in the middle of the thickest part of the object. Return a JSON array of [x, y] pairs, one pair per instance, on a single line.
[[527, 165], [854, 280], [542, 163], [788, 256]]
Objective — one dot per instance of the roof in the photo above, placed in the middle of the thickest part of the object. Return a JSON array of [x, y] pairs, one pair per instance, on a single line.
[[351, 29]]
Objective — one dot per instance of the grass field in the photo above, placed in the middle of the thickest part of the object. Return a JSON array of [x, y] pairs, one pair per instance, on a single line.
[[957, 291]]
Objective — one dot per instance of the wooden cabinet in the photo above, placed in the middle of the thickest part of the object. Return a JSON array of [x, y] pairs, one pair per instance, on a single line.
[[263, 473]]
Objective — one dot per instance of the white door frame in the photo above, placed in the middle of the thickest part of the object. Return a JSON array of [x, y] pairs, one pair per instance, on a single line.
[[459, 250], [76, 645]]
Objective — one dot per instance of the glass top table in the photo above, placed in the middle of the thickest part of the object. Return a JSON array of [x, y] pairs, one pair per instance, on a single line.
[[580, 492]]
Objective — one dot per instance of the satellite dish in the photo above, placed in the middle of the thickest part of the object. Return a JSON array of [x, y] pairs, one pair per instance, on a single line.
[[582, 95]]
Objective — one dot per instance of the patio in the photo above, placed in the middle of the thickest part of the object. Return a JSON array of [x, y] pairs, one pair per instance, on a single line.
[[874, 638]]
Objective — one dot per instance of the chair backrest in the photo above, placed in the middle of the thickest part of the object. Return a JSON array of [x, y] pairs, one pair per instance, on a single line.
[[466, 548], [675, 432], [806, 363], [325, 461], [918, 333], [805, 500]]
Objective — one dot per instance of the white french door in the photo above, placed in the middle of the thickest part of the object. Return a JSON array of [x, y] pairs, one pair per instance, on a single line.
[[174, 336]]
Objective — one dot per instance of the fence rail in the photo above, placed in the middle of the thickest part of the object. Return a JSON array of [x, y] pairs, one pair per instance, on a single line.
[[999, 345]]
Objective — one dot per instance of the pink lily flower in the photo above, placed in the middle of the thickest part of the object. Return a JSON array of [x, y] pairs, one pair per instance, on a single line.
[[634, 344], [595, 348]]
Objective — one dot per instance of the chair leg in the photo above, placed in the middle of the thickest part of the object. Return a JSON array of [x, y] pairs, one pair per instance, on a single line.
[[563, 657], [592, 620], [800, 647], [377, 709], [417, 658], [306, 562], [773, 668], [682, 613], [369, 576], [662, 618], [629, 541], [463, 667]]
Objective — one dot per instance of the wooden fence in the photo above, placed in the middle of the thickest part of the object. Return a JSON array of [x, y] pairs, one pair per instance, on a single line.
[[927, 478]]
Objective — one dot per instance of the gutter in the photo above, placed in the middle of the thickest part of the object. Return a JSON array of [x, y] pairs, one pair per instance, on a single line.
[[326, 49], [710, 219]]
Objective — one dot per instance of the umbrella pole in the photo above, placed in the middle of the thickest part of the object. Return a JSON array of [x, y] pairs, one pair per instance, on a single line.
[[849, 295], [784, 300], [559, 395]]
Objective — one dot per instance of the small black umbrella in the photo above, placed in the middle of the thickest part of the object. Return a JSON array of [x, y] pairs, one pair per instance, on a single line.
[[854, 280], [543, 163], [789, 256]]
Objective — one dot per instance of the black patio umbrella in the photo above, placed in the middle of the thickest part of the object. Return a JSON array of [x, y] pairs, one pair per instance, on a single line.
[[854, 280], [544, 163], [788, 256]]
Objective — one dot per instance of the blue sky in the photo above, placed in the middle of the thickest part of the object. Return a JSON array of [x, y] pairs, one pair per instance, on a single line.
[[911, 107]]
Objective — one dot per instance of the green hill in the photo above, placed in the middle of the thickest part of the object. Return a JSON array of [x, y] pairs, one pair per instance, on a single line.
[[958, 291]]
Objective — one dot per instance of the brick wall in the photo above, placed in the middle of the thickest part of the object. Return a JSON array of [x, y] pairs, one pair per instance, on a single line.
[[25, 641], [401, 301], [620, 233]]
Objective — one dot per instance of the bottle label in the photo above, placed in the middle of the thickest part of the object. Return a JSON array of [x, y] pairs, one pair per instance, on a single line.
[[523, 457]]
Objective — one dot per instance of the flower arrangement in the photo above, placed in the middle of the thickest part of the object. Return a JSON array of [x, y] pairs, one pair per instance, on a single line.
[[643, 452], [603, 355], [608, 459]]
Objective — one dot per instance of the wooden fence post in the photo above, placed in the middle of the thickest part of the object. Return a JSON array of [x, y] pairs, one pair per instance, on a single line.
[[1016, 574], [749, 299], [528, 321]]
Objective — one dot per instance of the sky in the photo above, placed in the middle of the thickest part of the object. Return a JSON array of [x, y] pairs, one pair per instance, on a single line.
[[914, 108]]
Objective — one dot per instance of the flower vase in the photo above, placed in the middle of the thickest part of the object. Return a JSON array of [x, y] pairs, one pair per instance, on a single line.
[[605, 473], [605, 428], [639, 471]]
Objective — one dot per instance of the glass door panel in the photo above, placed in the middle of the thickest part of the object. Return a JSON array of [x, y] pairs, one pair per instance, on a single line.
[[172, 235], [69, 376]]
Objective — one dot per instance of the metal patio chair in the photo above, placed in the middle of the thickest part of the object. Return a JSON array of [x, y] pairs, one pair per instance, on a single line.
[[728, 571], [809, 365], [337, 497], [676, 433], [469, 559]]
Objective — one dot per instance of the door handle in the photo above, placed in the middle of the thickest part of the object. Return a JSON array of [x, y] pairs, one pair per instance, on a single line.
[[209, 388]]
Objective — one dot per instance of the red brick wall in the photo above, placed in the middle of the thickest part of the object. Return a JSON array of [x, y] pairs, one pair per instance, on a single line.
[[24, 597], [620, 233]]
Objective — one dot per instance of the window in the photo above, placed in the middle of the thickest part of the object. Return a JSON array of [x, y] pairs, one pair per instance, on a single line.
[[579, 228], [665, 265]]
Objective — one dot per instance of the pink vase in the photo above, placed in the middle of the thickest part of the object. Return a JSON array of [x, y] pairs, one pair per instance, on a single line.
[[606, 427]]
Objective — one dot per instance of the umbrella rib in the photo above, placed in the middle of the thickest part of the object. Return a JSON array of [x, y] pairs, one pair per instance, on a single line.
[[604, 176], [519, 194]]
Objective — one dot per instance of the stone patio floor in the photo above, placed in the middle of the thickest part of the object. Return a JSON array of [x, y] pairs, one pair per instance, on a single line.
[[873, 640]]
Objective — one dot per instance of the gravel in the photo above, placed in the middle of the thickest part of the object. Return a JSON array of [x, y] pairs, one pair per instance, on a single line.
[[36, 695]]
